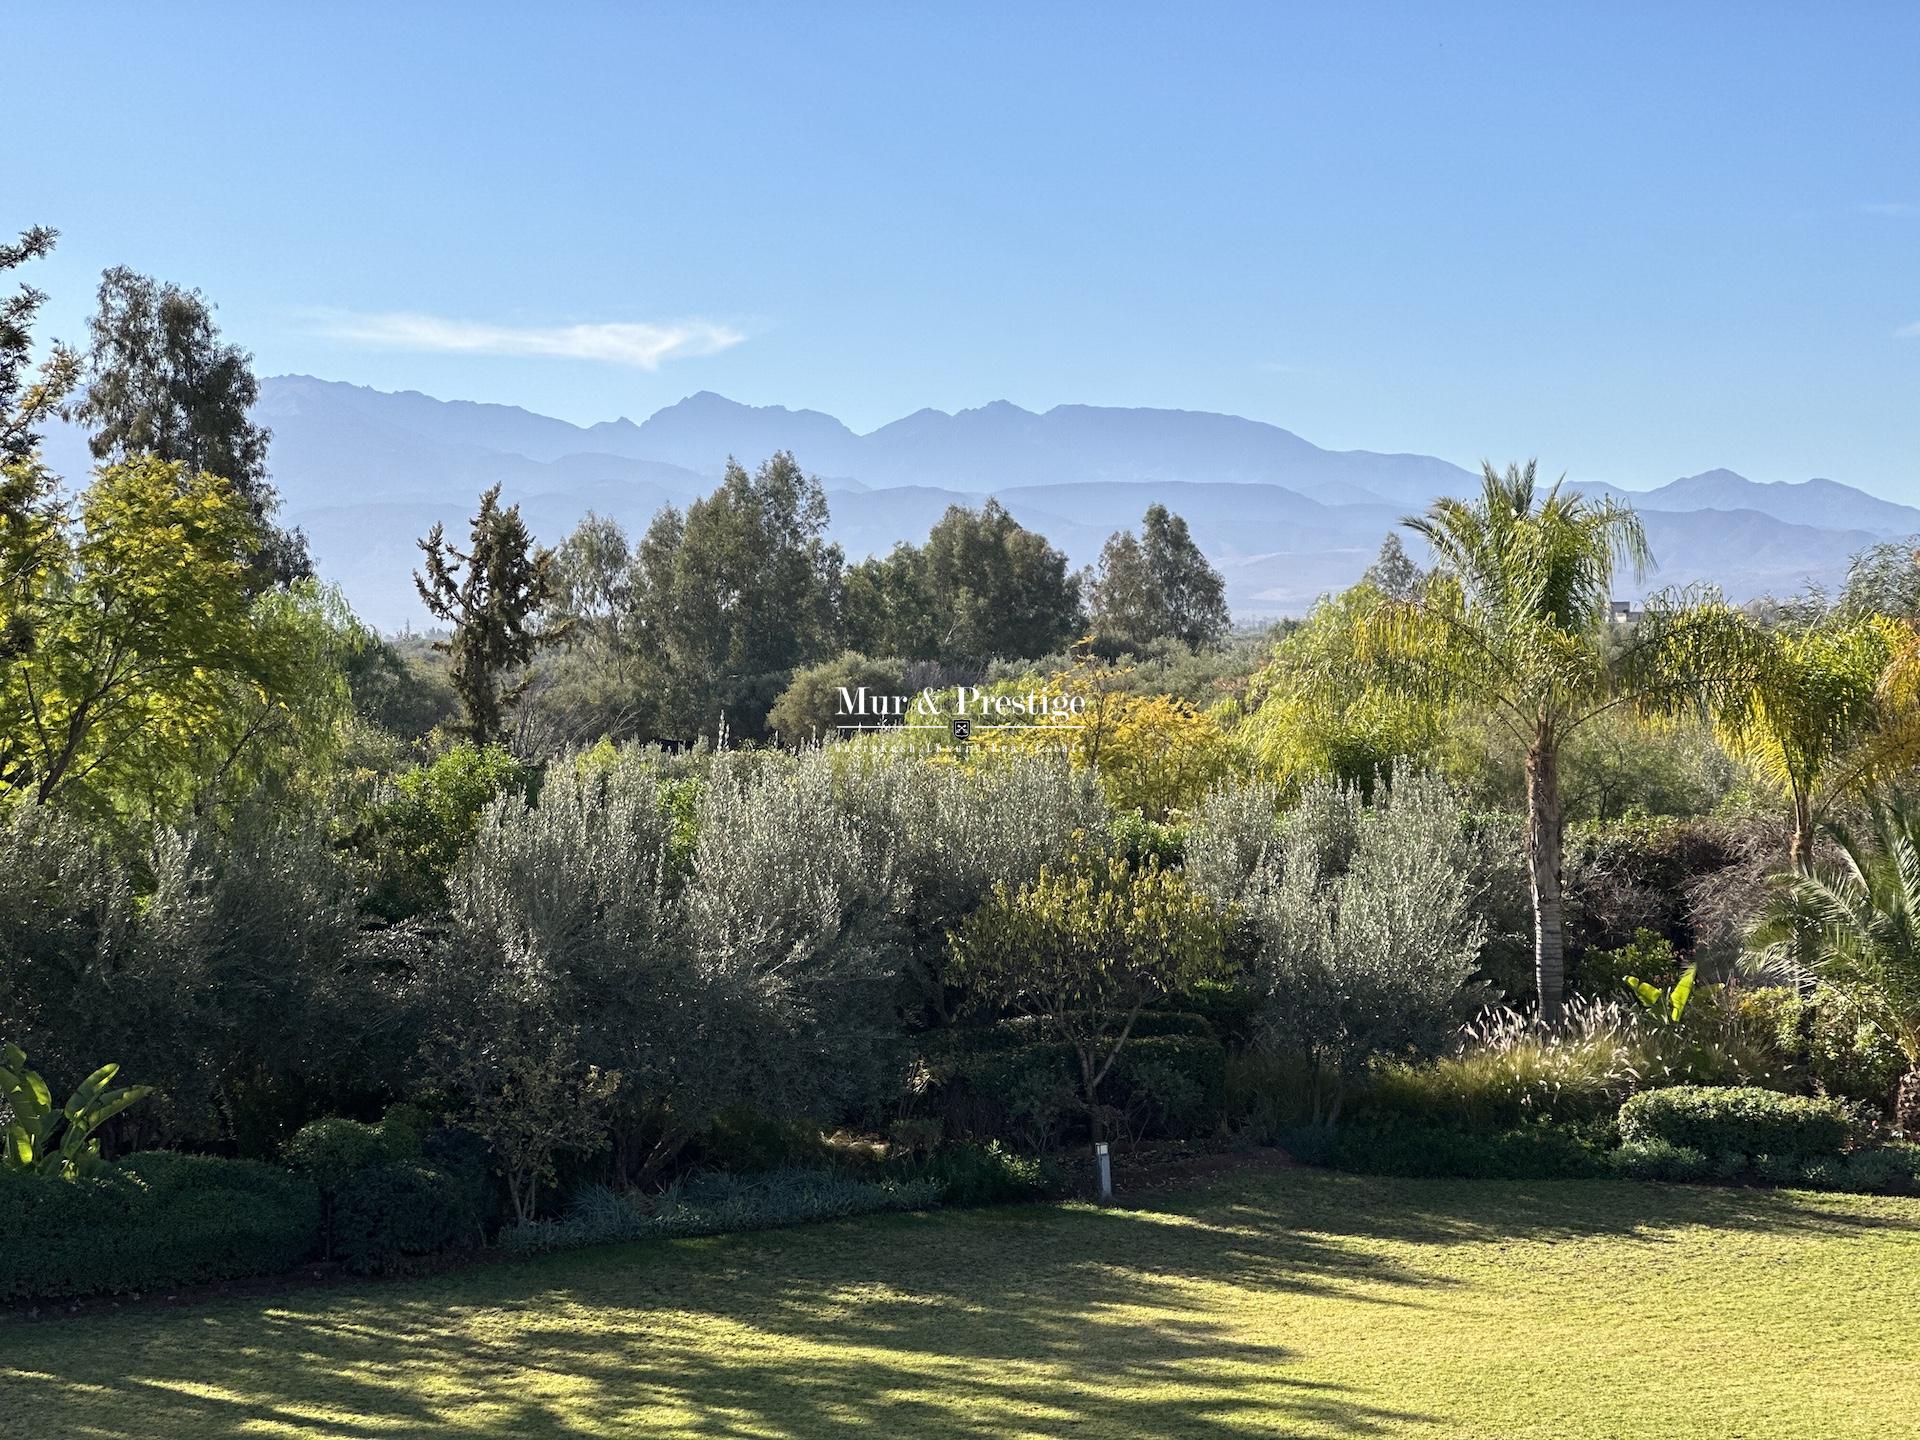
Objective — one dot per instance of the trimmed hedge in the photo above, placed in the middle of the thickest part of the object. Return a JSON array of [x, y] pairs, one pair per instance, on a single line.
[[1723, 1120], [387, 1215], [1231, 1010], [1888, 1170], [1525, 1152], [153, 1221]]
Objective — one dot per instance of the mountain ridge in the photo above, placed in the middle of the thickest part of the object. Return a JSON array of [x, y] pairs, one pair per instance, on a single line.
[[365, 471]]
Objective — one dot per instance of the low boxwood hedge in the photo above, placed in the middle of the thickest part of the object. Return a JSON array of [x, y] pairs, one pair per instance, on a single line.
[[152, 1221], [1726, 1120], [1541, 1151], [1886, 1170]]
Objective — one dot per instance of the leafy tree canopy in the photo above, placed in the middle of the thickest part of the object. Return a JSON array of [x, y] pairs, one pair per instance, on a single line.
[[156, 671], [1158, 587], [161, 381]]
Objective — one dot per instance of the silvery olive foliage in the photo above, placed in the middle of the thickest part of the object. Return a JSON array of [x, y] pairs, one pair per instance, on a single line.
[[1361, 919], [563, 998], [66, 915], [648, 990], [240, 986], [1232, 835], [791, 908], [954, 832]]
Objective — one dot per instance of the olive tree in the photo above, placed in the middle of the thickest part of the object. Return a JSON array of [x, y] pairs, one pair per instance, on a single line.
[[562, 1003], [953, 832], [791, 909], [1360, 919], [604, 983]]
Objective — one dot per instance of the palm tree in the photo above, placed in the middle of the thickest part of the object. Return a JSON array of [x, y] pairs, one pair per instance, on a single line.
[[1858, 924], [1821, 716], [1515, 618]]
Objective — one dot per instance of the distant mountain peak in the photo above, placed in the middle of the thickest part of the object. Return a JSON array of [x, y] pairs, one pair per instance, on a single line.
[[367, 471], [711, 402]]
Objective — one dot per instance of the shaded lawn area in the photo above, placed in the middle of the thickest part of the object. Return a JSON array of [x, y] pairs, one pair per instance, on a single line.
[[1280, 1303]]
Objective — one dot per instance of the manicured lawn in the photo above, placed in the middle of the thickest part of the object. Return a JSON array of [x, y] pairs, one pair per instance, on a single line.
[[1278, 1303]]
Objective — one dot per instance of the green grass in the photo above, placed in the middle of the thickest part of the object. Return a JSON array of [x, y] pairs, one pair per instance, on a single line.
[[1291, 1302]]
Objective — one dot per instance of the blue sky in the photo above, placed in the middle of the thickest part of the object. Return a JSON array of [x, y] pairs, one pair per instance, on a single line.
[[1637, 241]]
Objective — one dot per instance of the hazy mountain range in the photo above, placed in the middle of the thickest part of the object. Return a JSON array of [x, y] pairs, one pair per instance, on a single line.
[[366, 472]]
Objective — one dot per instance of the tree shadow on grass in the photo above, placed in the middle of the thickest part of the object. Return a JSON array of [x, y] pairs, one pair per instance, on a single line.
[[1439, 1212], [1037, 1320]]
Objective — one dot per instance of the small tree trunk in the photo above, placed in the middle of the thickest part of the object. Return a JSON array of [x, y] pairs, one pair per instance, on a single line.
[[1090, 1083], [1544, 844]]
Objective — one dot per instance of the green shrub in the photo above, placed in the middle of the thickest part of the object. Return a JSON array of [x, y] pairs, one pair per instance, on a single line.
[[1656, 1159], [1268, 1093], [1886, 1169], [1778, 1169], [332, 1150], [745, 1140], [1231, 1009], [464, 1159], [153, 1221], [1158, 1024], [987, 1174], [1526, 1152], [1141, 839], [1829, 1039], [1880, 1171], [1027, 1095], [1739, 1119], [386, 1215], [1172, 1085], [1828, 1173], [1649, 957]]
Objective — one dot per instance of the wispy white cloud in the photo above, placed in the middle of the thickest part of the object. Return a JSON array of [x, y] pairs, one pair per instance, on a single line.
[[1908, 332], [641, 345]]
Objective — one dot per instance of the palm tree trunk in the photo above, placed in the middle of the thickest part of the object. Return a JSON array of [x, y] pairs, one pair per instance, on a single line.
[[1906, 1105], [1800, 857], [1801, 851], [1544, 844]]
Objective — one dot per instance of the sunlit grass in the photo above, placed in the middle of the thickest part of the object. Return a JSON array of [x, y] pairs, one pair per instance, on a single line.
[[1293, 1302]]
